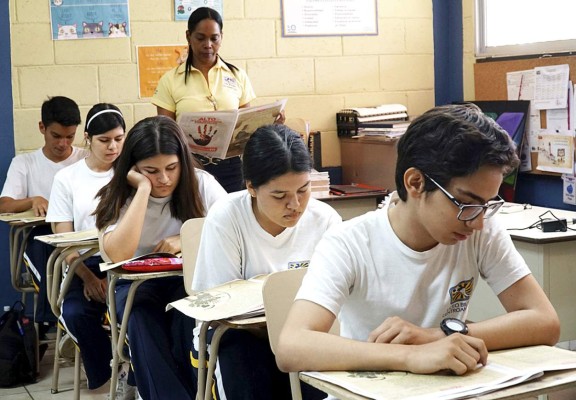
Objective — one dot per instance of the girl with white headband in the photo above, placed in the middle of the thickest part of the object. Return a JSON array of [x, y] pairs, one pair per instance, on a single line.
[[72, 202]]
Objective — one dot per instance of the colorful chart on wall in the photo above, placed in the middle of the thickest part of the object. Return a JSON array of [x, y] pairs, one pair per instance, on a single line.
[[89, 19], [512, 116], [183, 8]]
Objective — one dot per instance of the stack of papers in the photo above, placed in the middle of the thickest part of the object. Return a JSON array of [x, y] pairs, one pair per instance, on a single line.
[[320, 183]]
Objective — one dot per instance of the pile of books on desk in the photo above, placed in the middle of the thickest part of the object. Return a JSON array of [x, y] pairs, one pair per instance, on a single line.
[[389, 129], [389, 119], [320, 183]]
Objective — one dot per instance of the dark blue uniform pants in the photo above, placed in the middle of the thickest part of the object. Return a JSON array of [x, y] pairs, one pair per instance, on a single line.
[[36, 257], [83, 320], [159, 341], [247, 370]]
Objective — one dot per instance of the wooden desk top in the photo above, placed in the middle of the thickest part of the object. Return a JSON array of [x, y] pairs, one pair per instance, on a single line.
[[334, 197], [517, 217]]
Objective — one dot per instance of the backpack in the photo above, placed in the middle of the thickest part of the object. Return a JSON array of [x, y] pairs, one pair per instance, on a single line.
[[17, 347]]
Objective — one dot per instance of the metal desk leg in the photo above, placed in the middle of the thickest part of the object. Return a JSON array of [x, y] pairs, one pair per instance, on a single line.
[[214, 345]]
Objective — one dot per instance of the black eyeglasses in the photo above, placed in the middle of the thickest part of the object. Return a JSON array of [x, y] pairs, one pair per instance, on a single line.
[[468, 212]]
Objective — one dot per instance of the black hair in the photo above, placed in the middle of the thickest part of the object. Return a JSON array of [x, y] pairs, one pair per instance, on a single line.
[[453, 141], [105, 121], [148, 138], [272, 151], [200, 14], [61, 110]]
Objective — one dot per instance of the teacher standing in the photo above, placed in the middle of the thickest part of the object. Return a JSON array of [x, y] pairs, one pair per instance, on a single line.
[[206, 83]]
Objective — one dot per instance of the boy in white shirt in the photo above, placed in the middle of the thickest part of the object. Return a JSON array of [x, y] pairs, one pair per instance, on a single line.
[[29, 181], [400, 279]]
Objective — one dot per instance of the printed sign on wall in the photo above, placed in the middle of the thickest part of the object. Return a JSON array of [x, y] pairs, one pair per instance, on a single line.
[[89, 19]]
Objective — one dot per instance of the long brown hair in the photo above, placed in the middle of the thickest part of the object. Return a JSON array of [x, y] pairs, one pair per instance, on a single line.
[[148, 138]]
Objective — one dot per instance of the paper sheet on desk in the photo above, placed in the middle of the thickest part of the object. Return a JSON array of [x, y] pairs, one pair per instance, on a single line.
[[237, 299], [505, 368]]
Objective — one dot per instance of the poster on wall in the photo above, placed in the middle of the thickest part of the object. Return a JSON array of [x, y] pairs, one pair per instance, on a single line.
[[155, 61], [183, 8], [329, 17], [89, 19]]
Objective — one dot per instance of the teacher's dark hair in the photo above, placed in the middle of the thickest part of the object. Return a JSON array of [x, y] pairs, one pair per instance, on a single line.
[[148, 138], [272, 151], [200, 14]]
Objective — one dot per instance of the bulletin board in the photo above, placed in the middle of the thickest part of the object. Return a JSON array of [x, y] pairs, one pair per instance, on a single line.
[[490, 83], [490, 76]]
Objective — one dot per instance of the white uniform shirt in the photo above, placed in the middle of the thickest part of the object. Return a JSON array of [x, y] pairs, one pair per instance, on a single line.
[[159, 223], [235, 246], [363, 273], [73, 197], [31, 174]]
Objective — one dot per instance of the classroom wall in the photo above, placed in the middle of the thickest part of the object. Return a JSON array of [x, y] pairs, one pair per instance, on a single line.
[[319, 76]]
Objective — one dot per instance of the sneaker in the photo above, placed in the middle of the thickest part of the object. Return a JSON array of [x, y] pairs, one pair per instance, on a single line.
[[123, 390], [66, 347]]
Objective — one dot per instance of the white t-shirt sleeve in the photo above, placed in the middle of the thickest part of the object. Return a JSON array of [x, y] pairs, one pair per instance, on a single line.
[[16, 185], [219, 256], [61, 202], [501, 265], [210, 190]]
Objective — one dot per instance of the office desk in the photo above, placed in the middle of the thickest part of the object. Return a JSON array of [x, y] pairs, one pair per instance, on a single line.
[[551, 257], [351, 206]]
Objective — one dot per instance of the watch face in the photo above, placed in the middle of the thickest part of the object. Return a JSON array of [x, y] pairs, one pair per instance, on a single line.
[[455, 325]]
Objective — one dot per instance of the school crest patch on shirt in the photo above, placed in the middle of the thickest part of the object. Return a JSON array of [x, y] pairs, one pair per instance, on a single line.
[[459, 298], [230, 82], [298, 264]]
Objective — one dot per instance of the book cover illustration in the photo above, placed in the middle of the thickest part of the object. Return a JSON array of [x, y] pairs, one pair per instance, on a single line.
[[223, 134]]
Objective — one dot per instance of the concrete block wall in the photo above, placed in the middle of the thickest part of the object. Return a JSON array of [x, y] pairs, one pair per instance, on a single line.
[[318, 75]]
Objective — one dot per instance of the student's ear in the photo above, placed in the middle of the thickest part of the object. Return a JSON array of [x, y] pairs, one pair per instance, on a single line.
[[414, 182], [42, 128], [251, 188]]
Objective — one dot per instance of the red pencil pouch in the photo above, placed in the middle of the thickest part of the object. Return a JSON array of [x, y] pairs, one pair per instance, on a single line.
[[154, 264]]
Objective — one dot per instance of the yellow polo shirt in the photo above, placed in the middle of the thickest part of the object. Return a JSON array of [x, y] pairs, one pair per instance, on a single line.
[[229, 90]]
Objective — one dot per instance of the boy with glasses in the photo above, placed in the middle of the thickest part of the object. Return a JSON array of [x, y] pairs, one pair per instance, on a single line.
[[400, 279]]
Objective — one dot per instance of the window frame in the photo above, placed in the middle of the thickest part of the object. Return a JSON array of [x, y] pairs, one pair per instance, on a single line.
[[527, 49]]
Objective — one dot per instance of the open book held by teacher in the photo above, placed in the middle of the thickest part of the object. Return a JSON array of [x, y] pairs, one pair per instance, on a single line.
[[223, 134]]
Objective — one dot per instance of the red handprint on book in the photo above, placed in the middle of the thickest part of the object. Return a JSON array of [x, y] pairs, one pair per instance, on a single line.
[[205, 135]]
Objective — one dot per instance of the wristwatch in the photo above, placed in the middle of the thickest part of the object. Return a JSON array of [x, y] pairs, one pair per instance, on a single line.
[[453, 325]]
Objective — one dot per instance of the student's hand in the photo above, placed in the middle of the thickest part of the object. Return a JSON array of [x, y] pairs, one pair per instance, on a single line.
[[138, 180], [457, 353], [95, 288], [398, 331], [171, 244], [40, 206], [280, 118]]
